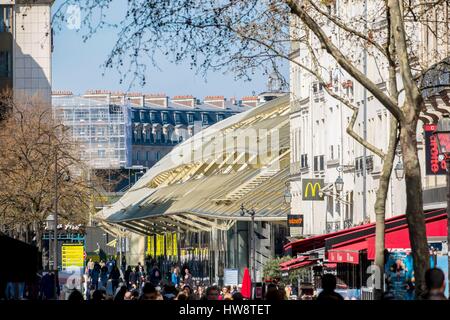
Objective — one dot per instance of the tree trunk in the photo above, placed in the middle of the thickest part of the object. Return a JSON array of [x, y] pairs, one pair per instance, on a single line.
[[414, 204], [380, 205]]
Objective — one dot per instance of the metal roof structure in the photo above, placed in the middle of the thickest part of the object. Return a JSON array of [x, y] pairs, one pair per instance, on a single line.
[[202, 182]]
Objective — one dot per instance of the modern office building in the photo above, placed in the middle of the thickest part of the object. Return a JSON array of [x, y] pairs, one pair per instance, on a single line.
[[26, 47]]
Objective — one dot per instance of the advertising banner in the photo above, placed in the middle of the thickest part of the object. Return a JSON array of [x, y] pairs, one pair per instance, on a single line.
[[432, 164], [72, 255]]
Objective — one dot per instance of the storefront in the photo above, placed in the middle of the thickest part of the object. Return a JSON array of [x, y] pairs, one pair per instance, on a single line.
[[352, 252]]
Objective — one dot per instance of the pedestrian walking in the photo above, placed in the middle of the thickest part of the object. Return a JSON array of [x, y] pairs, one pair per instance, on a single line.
[[176, 277], [155, 276], [188, 278], [103, 276], [114, 276], [90, 267], [435, 284], [328, 287], [127, 276], [95, 276]]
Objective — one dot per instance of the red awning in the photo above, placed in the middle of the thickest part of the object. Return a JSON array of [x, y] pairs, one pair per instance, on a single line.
[[347, 254], [318, 242], [399, 239], [298, 265], [292, 261]]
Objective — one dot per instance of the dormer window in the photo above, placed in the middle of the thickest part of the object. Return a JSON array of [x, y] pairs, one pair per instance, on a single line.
[[190, 118], [153, 117], [177, 118], [165, 117], [205, 119]]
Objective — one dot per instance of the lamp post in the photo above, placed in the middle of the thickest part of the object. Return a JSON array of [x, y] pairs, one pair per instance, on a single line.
[[287, 196], [442, 135], [399, 170], [339, 186], [252, 213]]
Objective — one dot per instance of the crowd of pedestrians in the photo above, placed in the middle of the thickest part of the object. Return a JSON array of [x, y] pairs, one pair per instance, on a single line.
[[134, 283]]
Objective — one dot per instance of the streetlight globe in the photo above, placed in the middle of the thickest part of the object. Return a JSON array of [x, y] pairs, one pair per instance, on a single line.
[[339, 184], [287, 197], [399, 171]]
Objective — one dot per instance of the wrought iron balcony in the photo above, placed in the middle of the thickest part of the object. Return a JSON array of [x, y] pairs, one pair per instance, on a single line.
[[348, 223]]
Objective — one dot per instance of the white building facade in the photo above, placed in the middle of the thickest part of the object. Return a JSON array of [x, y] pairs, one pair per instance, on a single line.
[[26, 47], [320, 145]]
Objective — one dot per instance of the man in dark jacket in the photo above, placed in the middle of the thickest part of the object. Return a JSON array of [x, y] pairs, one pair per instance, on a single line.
[[155, 276], [435, 283], [328, 287], [114, 276]]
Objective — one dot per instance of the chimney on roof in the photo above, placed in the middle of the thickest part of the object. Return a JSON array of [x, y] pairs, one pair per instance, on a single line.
[[61, 93], [250, 101], [156, 99], [215, 101], [118, 97], [186, 101], [99, 95], [136, 98]]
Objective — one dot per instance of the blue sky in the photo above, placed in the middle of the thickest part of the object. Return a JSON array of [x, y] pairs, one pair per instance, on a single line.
[[77, 67]]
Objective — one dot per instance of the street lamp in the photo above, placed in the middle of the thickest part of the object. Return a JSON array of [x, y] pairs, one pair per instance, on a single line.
[[252, 213], [442, 135], [287, 194], [399, 170], [339, 184]]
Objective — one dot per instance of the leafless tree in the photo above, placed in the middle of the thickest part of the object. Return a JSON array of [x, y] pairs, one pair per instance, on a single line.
[[37, 158]]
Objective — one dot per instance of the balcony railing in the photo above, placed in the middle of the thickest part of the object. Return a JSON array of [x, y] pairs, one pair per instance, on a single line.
[[348, 223]]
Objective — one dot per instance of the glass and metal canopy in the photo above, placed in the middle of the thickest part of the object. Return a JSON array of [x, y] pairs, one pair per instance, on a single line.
[[201, 183]]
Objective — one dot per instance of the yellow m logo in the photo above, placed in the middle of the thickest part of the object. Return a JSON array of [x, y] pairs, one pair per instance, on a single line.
[[313, 188]]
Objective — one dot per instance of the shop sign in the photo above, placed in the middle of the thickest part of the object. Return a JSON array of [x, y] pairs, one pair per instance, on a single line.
[[311, 189], [343, 256], [433, 165]]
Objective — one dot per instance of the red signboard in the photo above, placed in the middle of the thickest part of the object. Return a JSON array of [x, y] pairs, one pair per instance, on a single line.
[[343, 256], [432, 163]]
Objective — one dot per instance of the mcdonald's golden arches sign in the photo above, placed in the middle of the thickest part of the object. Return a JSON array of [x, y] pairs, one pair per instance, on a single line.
[[311, 189]]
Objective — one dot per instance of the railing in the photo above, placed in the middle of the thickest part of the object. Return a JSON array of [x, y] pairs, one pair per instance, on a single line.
[[333, 226], [348, 223]]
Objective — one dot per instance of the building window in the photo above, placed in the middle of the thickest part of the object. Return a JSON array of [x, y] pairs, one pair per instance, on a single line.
[[5, 64], [158, 156], [190, 118], [205, 119], [177, 118], [153, 117], [165, 118], [304, 160], [101, 154], [5, 18], [220, 117], [319, 163], [317, 87]]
